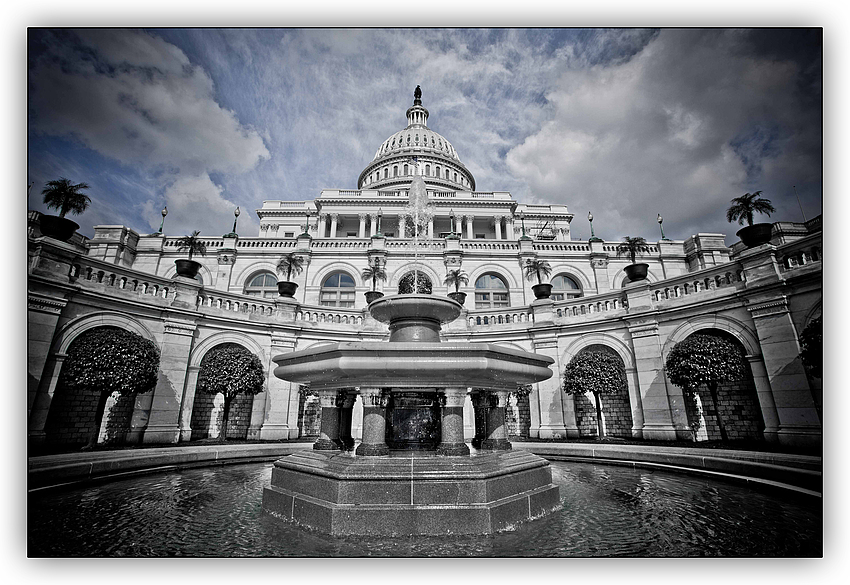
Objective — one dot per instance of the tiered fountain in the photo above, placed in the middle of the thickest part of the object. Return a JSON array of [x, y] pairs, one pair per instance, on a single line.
[[412, 473]]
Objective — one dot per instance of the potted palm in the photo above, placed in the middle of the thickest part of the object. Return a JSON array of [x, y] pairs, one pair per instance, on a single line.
[[634, 247], [189, 268], [66, 197], [743, 208], [456, 278], [539, 268], [290, 264], [374, 273]]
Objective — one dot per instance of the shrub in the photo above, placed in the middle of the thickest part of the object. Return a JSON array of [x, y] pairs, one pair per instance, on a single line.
[[811, 343], [597, 371], [230, 370]]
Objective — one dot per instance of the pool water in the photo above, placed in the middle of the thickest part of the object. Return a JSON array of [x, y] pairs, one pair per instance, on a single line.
[[605, 511]]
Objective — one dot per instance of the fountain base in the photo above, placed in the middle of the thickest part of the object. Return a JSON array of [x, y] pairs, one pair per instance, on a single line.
[[409, 493]]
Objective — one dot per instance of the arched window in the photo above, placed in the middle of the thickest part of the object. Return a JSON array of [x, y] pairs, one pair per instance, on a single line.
[[263, 284], [386, 171], [337, 291], [491, 292], [455, 177], [405, 170], [565, 287], [424, 285], [447, 174], [395, 171], [427, 170]]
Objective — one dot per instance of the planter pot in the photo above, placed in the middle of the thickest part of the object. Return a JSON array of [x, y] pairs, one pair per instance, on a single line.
[[187, 268], [458, 296], [372, 296], [636, 272], [542, 291], [756, 234], [57, 227], [286, 288]]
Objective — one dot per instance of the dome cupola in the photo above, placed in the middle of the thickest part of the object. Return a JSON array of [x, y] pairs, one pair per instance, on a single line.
[[392, 167]]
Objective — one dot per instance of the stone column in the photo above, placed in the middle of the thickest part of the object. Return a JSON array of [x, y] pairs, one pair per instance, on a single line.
[[164, 423], [41, 404], [345, 417], [497, 223], [550, 395], [497, 432], [323, 221], [329, 430], [479, 407], [362, 232], [402, 227], [43, 313], [431, 228], [334, 221], [470, 234], [188, 403], [374, 423], [280, 418], [799, 422], [509, 228], [765, 396], [452, 443]]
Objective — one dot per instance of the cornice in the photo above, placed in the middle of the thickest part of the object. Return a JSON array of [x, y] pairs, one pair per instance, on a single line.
[[45, 304]]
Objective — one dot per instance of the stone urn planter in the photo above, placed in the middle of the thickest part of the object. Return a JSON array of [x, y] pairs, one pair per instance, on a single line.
[[542, 291], [187, 268], [286, 288], [59, 228], [756, 234], [459, 297], [635, 272], [372, 296]]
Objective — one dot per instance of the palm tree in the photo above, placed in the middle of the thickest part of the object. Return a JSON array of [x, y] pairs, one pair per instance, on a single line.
[[193, 243], [537, 267], [746, 205], [374, 273], [290, 263], [631, 246], [65, 196], [456, 278]]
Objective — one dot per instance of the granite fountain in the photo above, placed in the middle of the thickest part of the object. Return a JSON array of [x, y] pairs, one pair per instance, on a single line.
[[412, 473]]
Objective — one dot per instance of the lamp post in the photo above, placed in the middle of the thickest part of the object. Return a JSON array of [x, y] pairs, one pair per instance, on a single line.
[[593, 237], [235, 218], [452, 220], [164, 213], [307, 222], [660, 220], [380, 215], [522, 220]]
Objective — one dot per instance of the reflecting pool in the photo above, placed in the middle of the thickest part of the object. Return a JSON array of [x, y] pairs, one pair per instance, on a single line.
[[606, 511]]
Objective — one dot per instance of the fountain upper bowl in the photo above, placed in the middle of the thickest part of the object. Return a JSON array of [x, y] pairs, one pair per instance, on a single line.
[[398, 307]]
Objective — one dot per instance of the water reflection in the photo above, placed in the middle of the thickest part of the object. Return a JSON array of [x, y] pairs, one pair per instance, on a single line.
[[606, 511]]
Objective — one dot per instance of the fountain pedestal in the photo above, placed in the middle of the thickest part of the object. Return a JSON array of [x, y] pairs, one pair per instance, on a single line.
[[412, 473]]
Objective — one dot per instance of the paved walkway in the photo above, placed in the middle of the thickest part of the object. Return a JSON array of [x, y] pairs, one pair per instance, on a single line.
[[801, 473]]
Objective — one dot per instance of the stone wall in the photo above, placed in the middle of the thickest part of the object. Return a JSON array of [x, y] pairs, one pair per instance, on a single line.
[[205, 408], [739, 411], [309, 416], [518, 417], [616, 412]]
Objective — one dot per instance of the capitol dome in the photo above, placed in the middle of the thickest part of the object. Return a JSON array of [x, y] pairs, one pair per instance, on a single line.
[[436, 160]]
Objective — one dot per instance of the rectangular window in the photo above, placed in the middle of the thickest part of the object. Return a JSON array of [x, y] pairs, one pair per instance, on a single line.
[[479, 236], [389, 234], [288, 234], [351, 234]]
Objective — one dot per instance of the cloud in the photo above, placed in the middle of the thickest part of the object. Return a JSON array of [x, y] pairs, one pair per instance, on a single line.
[[137, 99], [680, 128]]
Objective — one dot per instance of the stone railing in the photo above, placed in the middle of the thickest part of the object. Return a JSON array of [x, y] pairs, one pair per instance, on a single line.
[[266, 243], [215, 300], [568, 309], [102, 275], [725, 275], [561, 247], [490, 245], [803, 252], [425, 243], [499, 317], [329, 315]]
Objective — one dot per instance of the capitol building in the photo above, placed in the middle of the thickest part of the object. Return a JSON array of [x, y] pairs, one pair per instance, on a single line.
[[761, 297]]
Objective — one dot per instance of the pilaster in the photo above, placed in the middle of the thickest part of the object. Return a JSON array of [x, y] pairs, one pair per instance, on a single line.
[[164, 422], [550, 396], [280, 419], [226, 258]]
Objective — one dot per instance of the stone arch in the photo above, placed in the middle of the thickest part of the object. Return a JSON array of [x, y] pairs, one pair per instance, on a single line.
[[730, 325], [498, 269], [576, 274], [735, 406], [205, 416], [617, 409], [620, 277], [338, 266], [401, 272], [250, 271], [71, 330]]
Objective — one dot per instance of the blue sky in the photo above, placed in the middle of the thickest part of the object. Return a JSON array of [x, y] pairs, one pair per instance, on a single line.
[[625, 123]]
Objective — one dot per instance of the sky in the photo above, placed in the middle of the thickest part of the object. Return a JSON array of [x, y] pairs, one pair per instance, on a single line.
[[625, 123]]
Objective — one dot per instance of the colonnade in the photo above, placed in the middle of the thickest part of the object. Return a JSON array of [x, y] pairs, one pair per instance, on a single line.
[[336, 416]]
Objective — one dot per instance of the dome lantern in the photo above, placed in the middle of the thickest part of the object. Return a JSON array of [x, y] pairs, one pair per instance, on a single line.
[[417, 115]]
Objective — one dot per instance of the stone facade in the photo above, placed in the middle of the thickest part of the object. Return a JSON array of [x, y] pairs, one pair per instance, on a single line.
[[763, 297]]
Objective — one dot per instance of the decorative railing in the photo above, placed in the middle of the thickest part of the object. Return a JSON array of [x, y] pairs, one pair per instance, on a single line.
[[803, 252], [233, 303], [716, 277], [330, 315], [499, 317], [409, 243], [99, 274], [489, 245], [561, 247], [581, 306]]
